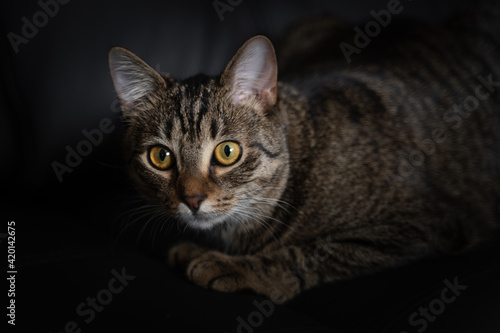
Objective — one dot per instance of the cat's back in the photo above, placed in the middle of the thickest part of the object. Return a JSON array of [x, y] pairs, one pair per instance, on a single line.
[[414, 117], [415, 82]]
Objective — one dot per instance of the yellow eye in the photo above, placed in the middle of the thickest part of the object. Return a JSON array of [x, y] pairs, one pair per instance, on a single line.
[[227, 153], [160, 157]]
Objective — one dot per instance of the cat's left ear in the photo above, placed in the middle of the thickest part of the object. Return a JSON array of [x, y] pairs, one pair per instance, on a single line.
[[252, 74]]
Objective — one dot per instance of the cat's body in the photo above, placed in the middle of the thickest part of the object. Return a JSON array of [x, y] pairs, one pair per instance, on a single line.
[[337, 172]]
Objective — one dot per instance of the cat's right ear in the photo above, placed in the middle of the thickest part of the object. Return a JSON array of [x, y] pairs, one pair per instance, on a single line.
[[134, 80]]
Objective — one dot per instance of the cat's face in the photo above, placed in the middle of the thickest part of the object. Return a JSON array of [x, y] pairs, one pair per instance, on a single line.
[[207, 151]]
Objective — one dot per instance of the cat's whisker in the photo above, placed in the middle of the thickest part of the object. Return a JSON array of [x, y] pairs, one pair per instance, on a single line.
[[152, 220], [167, 218], [272, 202], [185, 227], [124, 213], [141, 212], [241, 221], [254, 216], [259, 189], [165, 222], [266, 218], [179, 229], [141, 231], [136, 215], [277, 202], [154, 230], [244, 217], [259, 214], [144, 210]]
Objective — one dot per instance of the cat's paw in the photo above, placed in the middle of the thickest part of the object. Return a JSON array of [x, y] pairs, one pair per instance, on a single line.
[[180, 255], [217, 271]]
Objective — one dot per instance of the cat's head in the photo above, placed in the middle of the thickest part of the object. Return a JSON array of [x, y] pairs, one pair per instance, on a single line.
[[208, 151]]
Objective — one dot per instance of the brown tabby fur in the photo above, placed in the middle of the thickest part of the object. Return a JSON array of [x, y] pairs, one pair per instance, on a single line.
[[345, 170]]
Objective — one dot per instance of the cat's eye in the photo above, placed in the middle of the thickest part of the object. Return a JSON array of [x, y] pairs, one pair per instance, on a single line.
[[160, 157], [227, 153]]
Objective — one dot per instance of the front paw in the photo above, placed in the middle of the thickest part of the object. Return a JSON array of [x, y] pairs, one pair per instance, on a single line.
[[218, 271], [180, 255]]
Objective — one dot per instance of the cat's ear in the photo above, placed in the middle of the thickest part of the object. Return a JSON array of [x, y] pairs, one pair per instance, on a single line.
[[252, 74], [134, 80]]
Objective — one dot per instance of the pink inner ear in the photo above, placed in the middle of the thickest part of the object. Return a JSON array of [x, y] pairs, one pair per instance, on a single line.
[[242, 95], [254, 72]]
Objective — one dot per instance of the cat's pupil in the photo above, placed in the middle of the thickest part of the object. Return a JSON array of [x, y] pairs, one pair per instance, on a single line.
[[162, 154], [227, 150]]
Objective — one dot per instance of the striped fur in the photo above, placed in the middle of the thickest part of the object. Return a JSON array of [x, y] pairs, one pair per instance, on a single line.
[[351, 170]]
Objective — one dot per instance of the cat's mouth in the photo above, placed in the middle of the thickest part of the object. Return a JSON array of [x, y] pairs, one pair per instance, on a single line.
[[208, 218]]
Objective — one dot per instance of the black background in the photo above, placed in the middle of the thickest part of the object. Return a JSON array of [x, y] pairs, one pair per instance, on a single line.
[[68, 237]]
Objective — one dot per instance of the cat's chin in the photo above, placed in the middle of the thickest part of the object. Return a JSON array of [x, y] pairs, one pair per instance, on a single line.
[[203, 221]]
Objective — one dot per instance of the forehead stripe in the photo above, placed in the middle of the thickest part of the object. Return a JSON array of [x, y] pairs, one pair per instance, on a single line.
[[179, 111], [214, 129], [203, 109], [167, 130]]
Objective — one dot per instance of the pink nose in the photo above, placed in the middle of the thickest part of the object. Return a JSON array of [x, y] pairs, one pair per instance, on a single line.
[[194, 201]]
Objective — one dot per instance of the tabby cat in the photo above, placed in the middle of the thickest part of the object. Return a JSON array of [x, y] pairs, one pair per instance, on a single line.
[[333, 172]]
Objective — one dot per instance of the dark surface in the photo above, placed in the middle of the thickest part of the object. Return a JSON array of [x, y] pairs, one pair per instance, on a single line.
[[68, 234]]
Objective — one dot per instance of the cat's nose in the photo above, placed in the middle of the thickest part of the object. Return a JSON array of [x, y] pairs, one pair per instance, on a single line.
[[194, 201]]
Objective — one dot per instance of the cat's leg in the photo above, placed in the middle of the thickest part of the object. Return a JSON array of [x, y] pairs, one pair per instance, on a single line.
[[284, 273], [181, 254], [220, 271]]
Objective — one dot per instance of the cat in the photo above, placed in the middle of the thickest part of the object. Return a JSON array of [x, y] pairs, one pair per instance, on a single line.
[[333, 171]]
